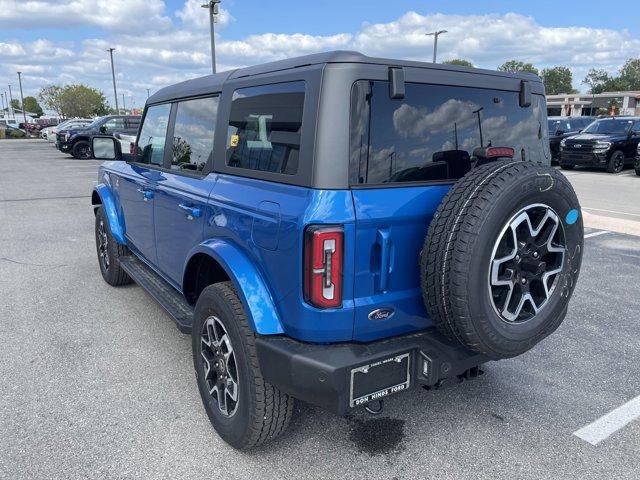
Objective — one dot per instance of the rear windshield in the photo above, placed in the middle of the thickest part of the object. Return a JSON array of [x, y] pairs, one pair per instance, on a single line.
[[432, 133]]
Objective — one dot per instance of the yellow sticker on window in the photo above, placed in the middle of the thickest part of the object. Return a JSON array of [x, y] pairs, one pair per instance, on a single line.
[[234, 140]]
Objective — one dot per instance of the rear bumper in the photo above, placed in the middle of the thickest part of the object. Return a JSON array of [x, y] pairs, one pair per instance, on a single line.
[[323, 374], [589, 159]]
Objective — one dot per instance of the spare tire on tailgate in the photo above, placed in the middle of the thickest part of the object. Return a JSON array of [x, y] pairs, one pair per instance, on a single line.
[[502, 256]]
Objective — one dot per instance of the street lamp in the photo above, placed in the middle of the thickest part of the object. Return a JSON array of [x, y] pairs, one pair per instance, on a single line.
[[13, 114], [212, 6], [24, 114], [113, 77], [435, 34], [2, 98]]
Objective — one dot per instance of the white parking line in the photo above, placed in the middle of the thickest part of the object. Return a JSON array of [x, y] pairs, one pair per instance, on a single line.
[[595, 234], [611, 211], [610, 423]]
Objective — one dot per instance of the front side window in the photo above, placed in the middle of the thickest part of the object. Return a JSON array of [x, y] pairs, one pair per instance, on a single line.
[[150, 148], [434, 133], [265, 126], [195, 125]]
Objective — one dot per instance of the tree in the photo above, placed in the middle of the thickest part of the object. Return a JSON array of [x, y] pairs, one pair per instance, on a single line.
[[15, 104], [628, 78], [515, 66], [31, 105], [458, 61], [82, 101], [50, 97], [630, 74], [557, 80]]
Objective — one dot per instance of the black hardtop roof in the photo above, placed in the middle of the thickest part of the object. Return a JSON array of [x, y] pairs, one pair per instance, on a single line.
[[214, 83]]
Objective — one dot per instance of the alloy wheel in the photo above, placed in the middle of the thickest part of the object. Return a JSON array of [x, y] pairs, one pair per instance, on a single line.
[[220, 367], [526, 260], [103, 245]]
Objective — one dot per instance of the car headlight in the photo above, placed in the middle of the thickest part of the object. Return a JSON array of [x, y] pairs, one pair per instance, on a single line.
[[601, 146], [638, 150], [563, 142]]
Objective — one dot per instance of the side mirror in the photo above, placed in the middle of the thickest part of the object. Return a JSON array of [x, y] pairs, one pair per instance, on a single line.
[[106, 148]]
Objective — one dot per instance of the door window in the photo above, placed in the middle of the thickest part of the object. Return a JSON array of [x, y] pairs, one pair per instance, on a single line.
[[195, 125], [265, 126], [150, 147], [113, 125]]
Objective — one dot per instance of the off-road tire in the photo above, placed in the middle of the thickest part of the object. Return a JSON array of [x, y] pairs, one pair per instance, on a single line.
[[113, 274], [79, 149], [613, 165], [458, 249], [263, 412]]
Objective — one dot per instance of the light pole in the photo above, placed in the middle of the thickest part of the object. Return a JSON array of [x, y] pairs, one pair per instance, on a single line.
[[435, 34], [212, 6], [479, 124], [24, 114], [147, 93], [124, 105], [2, 97], [113, 77], [13, 114]]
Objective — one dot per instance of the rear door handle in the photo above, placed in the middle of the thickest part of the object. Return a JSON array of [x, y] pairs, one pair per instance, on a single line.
[[146, 194], [192, 212], [383, 239]]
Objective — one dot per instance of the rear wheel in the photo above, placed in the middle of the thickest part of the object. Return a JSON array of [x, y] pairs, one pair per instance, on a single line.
[[616, 162], [244, 409], [81, 150], [502, 257]]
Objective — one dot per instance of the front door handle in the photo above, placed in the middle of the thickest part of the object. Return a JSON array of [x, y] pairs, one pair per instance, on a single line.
[[192, 212], [146, 194]]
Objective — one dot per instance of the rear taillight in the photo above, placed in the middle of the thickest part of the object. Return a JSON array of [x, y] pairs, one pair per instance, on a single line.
[[323, 258], [495, 152]]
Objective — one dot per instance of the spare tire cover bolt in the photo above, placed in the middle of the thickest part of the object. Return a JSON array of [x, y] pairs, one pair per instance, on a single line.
[[524, 280], [535, 254]]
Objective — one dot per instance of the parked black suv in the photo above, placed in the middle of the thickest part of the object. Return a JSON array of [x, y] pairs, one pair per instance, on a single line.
[[77, 141], [610, 143], [561, 128]]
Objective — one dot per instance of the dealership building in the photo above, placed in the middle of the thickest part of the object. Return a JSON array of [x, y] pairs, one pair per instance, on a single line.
[[577, 105]]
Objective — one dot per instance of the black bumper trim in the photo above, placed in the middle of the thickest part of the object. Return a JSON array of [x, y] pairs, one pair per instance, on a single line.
[[321, 374]]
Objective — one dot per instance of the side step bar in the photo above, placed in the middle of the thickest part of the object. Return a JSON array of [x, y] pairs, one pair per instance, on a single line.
[[163, 293]]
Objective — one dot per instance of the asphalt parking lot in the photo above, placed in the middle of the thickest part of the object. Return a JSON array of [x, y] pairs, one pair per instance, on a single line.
[[97, 382]]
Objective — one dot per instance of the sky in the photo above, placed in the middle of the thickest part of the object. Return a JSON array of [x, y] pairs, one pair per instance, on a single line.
[[163, 42]]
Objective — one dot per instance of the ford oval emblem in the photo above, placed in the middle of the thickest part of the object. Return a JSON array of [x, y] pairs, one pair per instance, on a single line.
[[381, 314]]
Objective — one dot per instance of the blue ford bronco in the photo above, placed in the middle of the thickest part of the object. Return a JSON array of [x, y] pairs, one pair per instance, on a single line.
[[337, 228]]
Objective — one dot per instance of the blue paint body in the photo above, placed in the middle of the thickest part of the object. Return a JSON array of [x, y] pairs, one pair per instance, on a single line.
[[254, 230]]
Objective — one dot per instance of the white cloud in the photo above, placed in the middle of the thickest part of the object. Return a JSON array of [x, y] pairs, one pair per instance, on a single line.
[[169, 47], [118, 15]]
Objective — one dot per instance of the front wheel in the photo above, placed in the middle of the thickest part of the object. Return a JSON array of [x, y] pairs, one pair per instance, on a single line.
[[109, 252], [81, 150], [243, 408], [616, 162], [636, 165]]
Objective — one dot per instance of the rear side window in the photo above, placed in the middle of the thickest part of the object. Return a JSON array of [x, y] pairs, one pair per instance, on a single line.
[[264, 128], [195, 125], [432, 133], [114, 125], [153, 135]]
